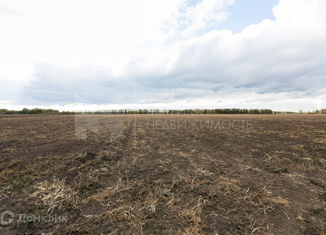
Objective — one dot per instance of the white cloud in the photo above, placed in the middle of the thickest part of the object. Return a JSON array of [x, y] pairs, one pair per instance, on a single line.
[[204, 14], [271, 56], [80, 32]]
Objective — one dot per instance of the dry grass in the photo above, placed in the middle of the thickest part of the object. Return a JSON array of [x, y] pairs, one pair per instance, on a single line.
[[267, 196], [56, 195], [10, 150]]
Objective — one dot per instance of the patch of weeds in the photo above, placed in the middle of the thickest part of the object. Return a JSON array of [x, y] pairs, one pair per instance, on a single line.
[[323, 196], [316, 211], [217, 171], [160, 227], [150, 215], [96, 162], [83, 157], [32, 170], [323, 166], [107, 156], [38, 207], [47, 163], [17, 226], [77, 231], [316, 183], [13, 163], [281, 170], [15, 179], [87, 185], [315, 161]]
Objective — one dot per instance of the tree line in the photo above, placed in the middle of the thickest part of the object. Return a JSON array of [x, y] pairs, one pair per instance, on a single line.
[[157, 111], [141, 111], [29, 111]]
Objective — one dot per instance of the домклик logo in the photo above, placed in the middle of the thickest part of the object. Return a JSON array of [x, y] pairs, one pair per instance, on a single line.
[[4, 221]]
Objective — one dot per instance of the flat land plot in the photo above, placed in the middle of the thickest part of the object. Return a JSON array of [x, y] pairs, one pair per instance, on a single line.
[[163, 174]]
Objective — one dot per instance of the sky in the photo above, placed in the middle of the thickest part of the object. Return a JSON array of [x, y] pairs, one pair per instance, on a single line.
[[91, 55]]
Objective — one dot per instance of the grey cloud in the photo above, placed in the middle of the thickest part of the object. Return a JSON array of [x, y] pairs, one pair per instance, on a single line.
[[67, 85], [50, 84]]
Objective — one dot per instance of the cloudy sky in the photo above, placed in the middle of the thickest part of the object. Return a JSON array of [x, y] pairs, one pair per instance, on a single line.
[[76, 55]]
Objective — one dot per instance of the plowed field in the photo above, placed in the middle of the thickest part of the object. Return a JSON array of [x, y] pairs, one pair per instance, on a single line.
[[163, 174]]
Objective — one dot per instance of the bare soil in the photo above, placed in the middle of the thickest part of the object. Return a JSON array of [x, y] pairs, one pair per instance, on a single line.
[[165, 174]]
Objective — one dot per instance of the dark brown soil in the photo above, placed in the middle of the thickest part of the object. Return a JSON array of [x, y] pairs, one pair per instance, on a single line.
[[169, 178]]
